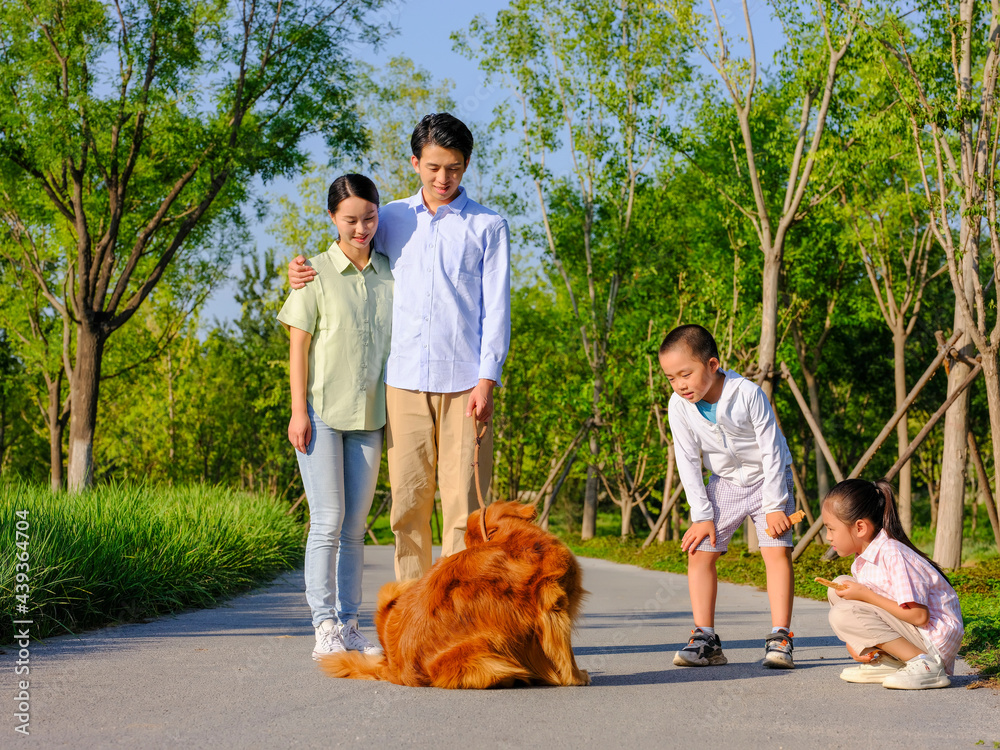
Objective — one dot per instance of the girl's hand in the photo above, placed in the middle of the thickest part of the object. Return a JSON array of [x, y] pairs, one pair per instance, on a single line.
[[696, 534], [854, 591], [300, 432], [863, 658]]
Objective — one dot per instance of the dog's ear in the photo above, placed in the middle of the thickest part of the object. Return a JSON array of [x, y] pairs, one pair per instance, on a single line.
[[527, 511]]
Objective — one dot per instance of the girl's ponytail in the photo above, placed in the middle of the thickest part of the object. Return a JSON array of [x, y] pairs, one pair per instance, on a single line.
[[854, 499], [890, 516]]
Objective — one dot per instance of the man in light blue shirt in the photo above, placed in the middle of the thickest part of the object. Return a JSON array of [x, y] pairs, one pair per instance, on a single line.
[[450, 258]]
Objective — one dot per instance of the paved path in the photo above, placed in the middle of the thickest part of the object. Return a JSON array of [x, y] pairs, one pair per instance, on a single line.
[[240, 676]]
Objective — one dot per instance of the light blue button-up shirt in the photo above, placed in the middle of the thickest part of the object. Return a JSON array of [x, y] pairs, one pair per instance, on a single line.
[[451, 309]]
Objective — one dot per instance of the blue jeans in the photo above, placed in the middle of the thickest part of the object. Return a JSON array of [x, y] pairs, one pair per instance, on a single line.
[[339, 471]]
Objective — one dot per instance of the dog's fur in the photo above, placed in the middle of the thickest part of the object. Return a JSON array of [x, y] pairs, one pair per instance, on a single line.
[[496, 614]]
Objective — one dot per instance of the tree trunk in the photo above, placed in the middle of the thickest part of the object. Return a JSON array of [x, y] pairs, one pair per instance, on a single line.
[[769, 320], [56, 425], [822, 475], [668, 486], [992, 377], [171, 425], [626, 498], [588, 526], [932, 497], [84, 389], [905, 495], [951, 491]]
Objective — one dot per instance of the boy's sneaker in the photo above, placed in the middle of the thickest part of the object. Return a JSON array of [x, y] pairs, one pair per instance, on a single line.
[[703, 650], [327, 640], [354, 641], [919, 674], [874, 671], [778, 650]]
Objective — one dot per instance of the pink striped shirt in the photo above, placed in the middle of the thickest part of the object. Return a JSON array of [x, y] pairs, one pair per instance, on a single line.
[[893, 570]]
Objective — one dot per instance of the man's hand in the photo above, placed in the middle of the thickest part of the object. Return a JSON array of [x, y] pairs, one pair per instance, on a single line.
[[481, 401], [299, 274], [696, 534], [777, 523], [300, 431]]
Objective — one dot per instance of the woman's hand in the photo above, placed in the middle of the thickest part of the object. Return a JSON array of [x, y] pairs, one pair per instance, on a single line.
[[300, 432]]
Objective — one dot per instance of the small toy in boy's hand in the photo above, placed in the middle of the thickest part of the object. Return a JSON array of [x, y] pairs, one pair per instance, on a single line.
[[794, 518], [832, 584]]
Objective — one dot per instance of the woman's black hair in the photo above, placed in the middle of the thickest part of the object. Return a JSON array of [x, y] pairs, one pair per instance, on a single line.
[[350, 186], [444, 130], [854, 499]]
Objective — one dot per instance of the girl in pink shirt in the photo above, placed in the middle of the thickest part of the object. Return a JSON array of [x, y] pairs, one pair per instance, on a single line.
[[897, 613]]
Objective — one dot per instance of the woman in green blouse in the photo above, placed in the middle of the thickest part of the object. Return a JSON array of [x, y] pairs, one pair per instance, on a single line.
[[339, 329]]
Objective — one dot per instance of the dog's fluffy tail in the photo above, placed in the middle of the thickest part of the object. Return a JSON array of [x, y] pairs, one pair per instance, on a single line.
[[355, 666]]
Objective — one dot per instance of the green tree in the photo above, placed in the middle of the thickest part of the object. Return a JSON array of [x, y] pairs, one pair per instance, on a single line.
[[944, 67], [780, 196], [137, 129], [591, 80]]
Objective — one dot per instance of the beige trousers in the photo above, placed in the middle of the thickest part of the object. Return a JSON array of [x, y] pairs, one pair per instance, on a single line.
[[429, 437], [863, 626]]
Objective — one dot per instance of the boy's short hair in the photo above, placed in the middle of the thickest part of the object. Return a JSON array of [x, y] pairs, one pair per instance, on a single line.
[[694, 337], [444, 130]]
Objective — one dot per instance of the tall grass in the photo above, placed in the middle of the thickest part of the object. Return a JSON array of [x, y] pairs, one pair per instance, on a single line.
[[129, 552]]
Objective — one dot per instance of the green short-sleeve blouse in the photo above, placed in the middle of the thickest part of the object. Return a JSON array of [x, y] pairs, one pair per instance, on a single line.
[[349, 314]]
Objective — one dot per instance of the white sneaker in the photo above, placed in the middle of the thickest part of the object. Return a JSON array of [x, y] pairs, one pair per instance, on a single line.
[[919, 674], [327, 640], [354, 641], [874, 671]]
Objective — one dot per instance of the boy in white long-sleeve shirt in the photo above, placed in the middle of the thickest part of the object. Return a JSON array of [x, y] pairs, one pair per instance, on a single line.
[[725, 422]]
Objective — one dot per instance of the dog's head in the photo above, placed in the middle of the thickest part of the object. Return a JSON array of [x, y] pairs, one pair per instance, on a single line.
[[498, 516]]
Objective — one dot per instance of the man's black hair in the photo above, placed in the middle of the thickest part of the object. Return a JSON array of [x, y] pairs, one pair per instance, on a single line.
[[443, 130]]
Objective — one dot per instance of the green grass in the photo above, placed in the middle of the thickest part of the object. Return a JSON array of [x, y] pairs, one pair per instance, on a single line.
[[978, 587], [126, 553]]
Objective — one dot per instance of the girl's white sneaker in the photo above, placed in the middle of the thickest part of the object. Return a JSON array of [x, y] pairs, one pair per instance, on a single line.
[[874, 671], [920, 673]]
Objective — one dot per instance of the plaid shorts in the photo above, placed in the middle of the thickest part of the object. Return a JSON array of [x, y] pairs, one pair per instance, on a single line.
[[732, 504]]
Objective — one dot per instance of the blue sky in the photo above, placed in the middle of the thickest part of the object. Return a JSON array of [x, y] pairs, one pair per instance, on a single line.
[[423, 34]]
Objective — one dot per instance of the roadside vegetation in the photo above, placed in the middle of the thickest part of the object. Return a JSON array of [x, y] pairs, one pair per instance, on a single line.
[[128, 552]]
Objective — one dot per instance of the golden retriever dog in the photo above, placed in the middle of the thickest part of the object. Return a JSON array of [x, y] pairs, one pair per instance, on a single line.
[[496, 614]]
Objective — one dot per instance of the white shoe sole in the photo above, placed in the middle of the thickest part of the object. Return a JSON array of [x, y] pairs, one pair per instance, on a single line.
[[865, 679], [942, 682]]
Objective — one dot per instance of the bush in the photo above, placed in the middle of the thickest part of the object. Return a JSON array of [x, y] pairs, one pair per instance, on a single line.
[[129, 552]]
